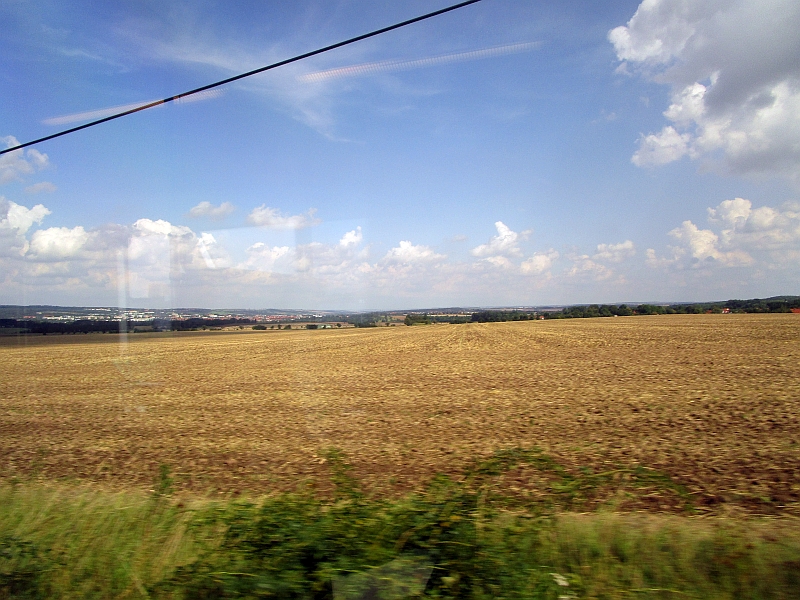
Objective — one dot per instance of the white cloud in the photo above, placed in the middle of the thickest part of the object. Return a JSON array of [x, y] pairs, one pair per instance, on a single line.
[[703, 245], [688, 105], [615, 252], [763, 228], [406, 252], [155, 262], [157, 254], [593, 267], [661, 148], [499, 261], [652, 260], [160, 227], [731, 212], [143, 260], [656, 33], [505, 242], [701, 242], [206, 209], [539, 263], [160, 243], [42, 186], [351, 238], [262, 257], [205, 244], [584, 266], [735, 78], [14, 165], [15, 221], [271, 218], [57, 243], [19, 217], [745, 236], [335, 261]]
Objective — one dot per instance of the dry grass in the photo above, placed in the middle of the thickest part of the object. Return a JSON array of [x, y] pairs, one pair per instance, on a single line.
[[711, 400]]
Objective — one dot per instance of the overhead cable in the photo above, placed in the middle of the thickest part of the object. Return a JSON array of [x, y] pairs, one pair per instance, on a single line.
[[281, 63]]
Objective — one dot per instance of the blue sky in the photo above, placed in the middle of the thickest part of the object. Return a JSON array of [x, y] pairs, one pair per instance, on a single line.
[[513, 152]]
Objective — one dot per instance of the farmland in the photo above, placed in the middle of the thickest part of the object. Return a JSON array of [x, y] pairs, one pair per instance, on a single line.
[[711, 403]]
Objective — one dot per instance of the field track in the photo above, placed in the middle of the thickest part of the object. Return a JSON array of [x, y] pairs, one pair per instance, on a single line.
[[711, 400]]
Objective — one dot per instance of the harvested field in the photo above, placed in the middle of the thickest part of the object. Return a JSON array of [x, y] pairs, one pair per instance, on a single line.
[[711, 401]]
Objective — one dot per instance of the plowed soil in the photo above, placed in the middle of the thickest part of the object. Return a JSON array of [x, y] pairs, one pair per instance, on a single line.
[[711, 401]]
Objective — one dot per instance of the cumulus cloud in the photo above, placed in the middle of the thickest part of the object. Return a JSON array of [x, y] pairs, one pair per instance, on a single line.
[[15, 221], [500, 261], [14, 165], [406, 252], [539, 263], [735, 78], [155, 260], [206, 209], [41, 187], [262, 257], [58, 242], [731, 212], [744, 236], [594, 266], [351, 238], [146, 227], [654, 261], [615, 252], [505, 242], [584, 266], [205, 244], [18, 217], [157, 253], [661, 148], [756, 229], [701, 242], [143, 260], [272, 218], [338, 263], [314, 259], [703, 245]]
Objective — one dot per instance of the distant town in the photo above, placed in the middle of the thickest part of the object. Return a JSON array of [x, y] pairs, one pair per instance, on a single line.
[[70, 314], [45, 319]]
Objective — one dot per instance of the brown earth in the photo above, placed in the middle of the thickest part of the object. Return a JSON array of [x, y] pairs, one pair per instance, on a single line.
[[711, 401]]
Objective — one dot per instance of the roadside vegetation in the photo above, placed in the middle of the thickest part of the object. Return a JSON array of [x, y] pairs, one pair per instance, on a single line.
[[454, 539]]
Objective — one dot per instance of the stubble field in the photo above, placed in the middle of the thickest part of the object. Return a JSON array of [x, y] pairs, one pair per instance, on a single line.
[[708, 405]]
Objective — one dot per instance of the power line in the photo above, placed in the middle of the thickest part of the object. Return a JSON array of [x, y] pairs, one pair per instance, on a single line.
[[243, 75]]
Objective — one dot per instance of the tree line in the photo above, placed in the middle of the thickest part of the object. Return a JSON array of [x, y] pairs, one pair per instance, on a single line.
[[29, 326], [777, 304]]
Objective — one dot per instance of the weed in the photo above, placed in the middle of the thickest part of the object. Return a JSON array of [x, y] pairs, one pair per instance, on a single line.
[[23, 569], [164, 484]]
